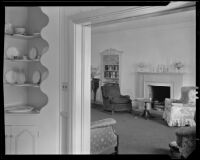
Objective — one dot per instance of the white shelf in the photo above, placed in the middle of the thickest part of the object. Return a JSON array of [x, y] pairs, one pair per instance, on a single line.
[[23, 85], [20, 109], [19, 36], [20, 113], [22, 60]]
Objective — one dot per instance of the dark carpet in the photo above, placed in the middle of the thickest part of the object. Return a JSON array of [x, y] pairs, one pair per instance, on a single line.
[[137, 135]]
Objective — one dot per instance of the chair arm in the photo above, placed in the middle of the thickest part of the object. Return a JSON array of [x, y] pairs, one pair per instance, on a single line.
[[103, 123], [169, 101], [125, 96]]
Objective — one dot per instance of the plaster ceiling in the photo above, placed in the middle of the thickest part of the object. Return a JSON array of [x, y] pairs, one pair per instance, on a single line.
[[78, 9], [175, 18]]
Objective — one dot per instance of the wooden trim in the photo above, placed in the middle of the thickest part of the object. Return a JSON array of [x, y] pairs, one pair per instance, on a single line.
[[117, 13], [86, 97]]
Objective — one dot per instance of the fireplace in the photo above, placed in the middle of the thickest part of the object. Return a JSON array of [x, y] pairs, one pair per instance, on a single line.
[[158, 94], [171, 80], [171, 83]]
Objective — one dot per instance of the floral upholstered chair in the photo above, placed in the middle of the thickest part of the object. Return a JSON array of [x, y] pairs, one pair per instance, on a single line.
[[103, 137], [181, 112], [185, 143]]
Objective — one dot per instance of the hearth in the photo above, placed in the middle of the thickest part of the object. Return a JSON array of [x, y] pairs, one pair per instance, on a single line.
[[158, 95]]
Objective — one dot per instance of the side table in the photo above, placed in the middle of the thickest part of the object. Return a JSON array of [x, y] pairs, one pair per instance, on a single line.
[[146, 101]]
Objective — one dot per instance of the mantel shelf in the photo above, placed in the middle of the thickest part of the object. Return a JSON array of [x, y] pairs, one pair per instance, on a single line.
[[35, 35], [161, 72]]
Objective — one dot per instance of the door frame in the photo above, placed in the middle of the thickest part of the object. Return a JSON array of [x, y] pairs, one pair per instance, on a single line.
[[80, 62]]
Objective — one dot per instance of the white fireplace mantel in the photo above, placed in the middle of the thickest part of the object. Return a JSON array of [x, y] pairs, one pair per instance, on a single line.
[[172, 79]]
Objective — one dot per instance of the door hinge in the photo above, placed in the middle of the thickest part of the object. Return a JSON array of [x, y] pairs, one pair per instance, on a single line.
[[64, 86]]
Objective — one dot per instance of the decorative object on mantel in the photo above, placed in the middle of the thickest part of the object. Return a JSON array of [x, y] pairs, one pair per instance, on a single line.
[[141, 67], [95, 80], [159, 68], [178, 66]]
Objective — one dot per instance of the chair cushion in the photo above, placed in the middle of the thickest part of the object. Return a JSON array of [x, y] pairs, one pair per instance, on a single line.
[[119, 100]]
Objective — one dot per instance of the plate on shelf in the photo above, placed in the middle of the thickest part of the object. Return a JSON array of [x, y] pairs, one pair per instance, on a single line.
[[32, 53], [36, 77], [18, 109], [11, 77]]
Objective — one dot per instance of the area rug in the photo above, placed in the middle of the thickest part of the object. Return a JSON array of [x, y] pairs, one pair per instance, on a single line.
[[137, 135]]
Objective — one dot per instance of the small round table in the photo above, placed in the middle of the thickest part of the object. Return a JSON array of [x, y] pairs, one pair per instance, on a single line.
[[146, 112]]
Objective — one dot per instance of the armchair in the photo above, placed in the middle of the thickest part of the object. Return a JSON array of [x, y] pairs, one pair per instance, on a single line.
[[180, 112], [113, 100], [103, 136], [185, 143]]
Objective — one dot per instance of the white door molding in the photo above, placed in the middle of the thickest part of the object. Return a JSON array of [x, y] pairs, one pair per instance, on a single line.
[[80, 57]]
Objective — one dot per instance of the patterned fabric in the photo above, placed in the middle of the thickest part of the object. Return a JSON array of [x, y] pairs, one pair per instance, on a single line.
[[179, 115], [113, 100], [103, 123], [186, 140], [188, 146], [103, 136]]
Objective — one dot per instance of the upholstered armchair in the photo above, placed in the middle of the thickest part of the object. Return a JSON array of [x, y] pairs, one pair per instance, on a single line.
[[113, 100], [180, 112], [103, 137], [185, 143]]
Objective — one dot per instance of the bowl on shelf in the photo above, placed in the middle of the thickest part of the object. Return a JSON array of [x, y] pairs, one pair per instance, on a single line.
[[12, 53], [9, 28], [20, 30]]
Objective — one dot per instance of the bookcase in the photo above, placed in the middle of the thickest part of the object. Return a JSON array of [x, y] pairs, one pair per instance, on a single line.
[[110, 62]]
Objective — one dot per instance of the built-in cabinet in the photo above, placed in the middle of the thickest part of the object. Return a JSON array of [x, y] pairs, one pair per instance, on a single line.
[[110, 62], [24, 73], [21, 139]]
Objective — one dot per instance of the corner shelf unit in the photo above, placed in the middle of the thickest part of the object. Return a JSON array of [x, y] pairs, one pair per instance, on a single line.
[[29, 93]]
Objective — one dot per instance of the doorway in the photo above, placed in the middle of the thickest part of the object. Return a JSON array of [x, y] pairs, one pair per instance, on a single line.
[[81, 62]]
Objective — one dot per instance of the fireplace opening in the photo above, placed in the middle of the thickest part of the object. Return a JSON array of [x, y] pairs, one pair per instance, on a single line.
[[158, 94]]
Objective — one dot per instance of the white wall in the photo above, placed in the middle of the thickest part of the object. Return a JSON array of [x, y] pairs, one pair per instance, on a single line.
[[156, 44]]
